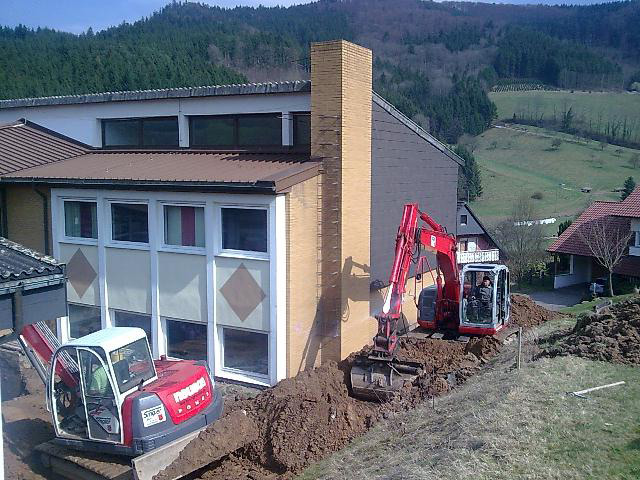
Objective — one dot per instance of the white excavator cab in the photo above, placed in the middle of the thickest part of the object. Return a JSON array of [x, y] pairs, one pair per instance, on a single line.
[[486, 306], [90, 378]]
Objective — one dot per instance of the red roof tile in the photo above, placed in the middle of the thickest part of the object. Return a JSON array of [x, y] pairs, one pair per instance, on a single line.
[[571, 241], [630, 206]]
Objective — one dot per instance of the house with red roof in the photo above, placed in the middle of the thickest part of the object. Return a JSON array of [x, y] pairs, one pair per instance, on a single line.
[[575, 262]]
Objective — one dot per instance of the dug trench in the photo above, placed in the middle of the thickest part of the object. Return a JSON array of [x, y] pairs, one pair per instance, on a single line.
[[301, 420]]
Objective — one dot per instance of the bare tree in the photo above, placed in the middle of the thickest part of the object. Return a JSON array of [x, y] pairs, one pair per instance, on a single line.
[[608, 241], [521, 238]]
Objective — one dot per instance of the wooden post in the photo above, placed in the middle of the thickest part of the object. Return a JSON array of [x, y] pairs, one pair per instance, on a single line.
[[518, 359]]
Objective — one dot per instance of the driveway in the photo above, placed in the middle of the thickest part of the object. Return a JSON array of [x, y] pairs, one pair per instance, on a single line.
[[558, 299]]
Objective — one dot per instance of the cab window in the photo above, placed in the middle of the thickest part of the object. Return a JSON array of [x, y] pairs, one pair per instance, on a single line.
[[132, 364]]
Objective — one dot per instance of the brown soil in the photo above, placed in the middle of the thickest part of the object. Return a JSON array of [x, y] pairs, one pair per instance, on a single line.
[[612, 336], [26, 420], [303, 419], [526, 313]]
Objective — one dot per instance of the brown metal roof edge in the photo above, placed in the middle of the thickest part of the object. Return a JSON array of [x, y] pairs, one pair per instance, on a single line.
[[284, 183]]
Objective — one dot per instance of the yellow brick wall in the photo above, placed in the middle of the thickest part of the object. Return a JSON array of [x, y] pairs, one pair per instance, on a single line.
[[25, 219], [341, 135], [306, 346]]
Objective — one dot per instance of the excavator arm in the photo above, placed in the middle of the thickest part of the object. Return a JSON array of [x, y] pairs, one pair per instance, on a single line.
[[379, 375], [410, 240]]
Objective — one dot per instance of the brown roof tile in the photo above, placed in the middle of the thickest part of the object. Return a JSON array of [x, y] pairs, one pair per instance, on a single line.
[[571, 241], [25, 145], [275, 171]]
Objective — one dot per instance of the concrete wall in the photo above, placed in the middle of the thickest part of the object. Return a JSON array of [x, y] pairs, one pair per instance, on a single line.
[[82, 121], [25, 217], [341, 99], [580, 273], [405, 169]]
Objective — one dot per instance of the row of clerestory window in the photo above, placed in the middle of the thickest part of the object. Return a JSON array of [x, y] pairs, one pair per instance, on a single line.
[[245, 131]]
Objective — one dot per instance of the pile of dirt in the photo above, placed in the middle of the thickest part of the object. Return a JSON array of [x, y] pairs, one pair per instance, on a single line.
[[303, 419], [612, 336], [526, 313]]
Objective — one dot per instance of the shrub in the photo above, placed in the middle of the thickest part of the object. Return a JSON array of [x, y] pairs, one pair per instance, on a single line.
[[537, 196]]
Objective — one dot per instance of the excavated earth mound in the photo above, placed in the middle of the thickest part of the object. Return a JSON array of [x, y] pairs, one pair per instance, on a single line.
[[612, 336], [303, 419], [526, 313]]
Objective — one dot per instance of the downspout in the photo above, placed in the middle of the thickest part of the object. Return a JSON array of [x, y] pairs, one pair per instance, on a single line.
[[45, 219], [4, 221]]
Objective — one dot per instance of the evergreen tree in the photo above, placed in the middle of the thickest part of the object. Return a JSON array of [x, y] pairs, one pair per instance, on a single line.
[[628, 188], [472, 182]]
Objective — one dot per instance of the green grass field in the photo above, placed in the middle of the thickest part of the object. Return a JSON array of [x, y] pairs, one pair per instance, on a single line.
[[520, 160], [606, 106]]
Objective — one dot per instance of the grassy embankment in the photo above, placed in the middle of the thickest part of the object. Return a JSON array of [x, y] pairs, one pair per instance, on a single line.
[[505, 425]]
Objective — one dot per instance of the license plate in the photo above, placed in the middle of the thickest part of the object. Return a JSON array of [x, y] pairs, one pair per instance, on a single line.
[[153, 415]]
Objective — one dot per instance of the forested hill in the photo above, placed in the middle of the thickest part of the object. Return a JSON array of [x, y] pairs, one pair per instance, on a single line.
[[435, 61]]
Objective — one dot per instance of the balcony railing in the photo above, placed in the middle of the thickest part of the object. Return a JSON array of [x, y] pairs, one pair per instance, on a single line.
[[479, 256]]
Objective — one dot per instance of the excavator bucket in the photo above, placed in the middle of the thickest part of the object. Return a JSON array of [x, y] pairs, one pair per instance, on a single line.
[[377, 379]]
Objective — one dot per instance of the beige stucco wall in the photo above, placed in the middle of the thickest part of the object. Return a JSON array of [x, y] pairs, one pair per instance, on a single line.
[[90, 296], [412, 291], [182, 285], [25, 217], [341, 136], [129, 279]]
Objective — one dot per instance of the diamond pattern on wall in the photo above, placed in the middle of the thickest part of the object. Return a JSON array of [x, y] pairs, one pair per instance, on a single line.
[[80, 273], [242, 292]]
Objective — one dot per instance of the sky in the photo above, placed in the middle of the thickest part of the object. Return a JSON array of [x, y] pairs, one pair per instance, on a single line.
[[77, 16]]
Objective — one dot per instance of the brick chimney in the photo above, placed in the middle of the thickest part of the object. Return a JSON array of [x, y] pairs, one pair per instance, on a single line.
[[341, 95]]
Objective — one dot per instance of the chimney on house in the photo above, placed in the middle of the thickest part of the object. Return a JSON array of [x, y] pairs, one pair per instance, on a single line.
[[341, 96]]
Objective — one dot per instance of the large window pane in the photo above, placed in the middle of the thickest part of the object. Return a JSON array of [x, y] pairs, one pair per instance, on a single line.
[[128, 319], [244, 229], [186, 340], [184, 226], [130, 222], [83, 320], [247, 351], [265, 130], [213, 131], [132, 365], [302, 129], [160, 132], [80, 219], [121, 133]]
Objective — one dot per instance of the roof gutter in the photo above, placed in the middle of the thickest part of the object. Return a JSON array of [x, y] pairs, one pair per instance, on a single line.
[[262, 187], [45, 219]]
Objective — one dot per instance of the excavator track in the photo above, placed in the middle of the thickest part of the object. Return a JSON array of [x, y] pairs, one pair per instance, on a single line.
[[75, 465]]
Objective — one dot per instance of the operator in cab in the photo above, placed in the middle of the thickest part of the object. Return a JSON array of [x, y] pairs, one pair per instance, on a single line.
[[483, 294]]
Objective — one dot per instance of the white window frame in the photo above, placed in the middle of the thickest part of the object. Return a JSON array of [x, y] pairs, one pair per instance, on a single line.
[[164, 319], [637, 244], [64, 238], [244, 254], [165, 247], [110, 242], [244, 375]]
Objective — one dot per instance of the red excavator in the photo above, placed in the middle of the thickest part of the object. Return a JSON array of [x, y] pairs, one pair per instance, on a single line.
[[472, 302], [107, 395]]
